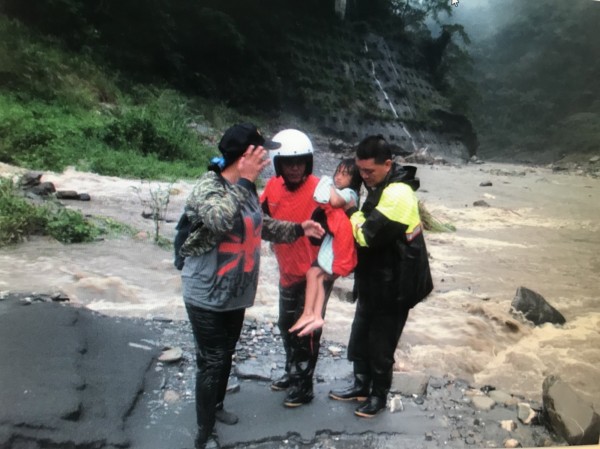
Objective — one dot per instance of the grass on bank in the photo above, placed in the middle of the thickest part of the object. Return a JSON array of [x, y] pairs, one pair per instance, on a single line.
[[59, 108], [147, 141], [20, 218]]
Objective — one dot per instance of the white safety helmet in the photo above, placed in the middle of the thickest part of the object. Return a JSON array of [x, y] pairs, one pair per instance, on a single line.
[[294, 144]]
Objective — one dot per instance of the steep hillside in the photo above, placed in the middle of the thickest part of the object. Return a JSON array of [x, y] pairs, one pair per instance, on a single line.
[[378, 70], [394, 96]]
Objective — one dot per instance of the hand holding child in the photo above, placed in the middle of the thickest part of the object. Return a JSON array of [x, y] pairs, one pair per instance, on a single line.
[[313, 229]]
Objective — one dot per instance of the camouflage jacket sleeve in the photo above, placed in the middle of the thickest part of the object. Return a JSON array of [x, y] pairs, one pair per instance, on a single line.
[[211, 208], [279, 231]]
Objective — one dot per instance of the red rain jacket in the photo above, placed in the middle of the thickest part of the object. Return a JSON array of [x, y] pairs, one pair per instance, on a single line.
[[294, 259], [344, 249]]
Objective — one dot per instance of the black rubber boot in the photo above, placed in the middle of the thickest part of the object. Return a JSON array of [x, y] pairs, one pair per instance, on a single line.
[[224, 416], [358, 391], [378, 398], [283, 383], [372, 406], [205, 440], [300, 393]]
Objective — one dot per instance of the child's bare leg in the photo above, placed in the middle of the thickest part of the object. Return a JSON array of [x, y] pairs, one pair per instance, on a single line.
[[318, 322], [312, 285]]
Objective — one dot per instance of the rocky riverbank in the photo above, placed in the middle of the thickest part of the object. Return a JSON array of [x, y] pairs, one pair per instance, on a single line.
[[145, 369], [537, 229], [463, 415]]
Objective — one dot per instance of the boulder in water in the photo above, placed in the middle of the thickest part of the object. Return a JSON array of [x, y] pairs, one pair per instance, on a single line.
[[535, 308]]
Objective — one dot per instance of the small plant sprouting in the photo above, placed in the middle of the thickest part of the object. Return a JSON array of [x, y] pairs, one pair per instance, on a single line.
[[155, 198]]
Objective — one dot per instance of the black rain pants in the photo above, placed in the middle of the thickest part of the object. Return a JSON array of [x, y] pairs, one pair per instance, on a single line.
[[378, 323], [301, 353], [216, 335]]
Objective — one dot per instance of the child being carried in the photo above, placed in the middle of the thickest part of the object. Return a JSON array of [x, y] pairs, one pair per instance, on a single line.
[[337, 255]]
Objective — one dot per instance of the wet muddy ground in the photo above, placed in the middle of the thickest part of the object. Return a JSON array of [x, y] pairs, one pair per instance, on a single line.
[[444, 416]]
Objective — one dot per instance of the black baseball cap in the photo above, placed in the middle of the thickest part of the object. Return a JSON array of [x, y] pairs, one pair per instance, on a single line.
[[237, 138]]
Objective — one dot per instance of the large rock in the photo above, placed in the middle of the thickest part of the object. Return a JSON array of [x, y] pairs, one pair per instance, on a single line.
[[484, 403], [408, 384], [67, 195], [252, 369], [535, 308], [568, 415], [42, 189], [30, 179]]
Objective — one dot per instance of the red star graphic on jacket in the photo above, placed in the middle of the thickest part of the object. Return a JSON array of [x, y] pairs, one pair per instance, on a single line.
[[245, 249]]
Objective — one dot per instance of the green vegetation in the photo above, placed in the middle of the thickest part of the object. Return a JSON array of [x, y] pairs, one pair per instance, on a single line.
[[59, 109], [125, 140], [20, 218], [67, 226], [299, 57], [84, 85], [164, 242], [430, 223], [112, 228]]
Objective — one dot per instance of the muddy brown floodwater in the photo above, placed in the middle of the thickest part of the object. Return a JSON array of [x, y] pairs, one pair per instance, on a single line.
[[541, 231]]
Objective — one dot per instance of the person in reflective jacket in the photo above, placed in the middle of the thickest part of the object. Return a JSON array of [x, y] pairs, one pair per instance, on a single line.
[[392, 274]]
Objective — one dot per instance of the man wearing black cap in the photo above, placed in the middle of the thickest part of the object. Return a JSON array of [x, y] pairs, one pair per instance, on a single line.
[[222, 256]]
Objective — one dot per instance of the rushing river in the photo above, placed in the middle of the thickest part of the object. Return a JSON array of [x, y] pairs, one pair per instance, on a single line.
[[541, 231]]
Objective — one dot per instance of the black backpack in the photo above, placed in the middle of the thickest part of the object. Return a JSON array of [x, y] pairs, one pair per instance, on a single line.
[[184, 227]]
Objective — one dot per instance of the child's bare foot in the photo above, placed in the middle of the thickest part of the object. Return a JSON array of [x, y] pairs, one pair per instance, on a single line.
[[317, 323], [302, 321]]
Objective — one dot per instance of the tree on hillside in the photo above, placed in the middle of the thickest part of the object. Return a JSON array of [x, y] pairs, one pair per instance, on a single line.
[[253, 54], [537, 75]]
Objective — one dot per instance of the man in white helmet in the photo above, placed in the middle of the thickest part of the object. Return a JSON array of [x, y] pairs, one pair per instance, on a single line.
[[289, 196]]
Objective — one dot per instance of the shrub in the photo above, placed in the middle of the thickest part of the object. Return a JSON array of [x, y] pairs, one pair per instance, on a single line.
[[58, 108], [19, 218], [156, 123], [136, 143], [112, 228], [69, 226]]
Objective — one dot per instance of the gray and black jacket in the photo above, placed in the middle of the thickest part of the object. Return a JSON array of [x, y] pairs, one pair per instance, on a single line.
[[222, 252]]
